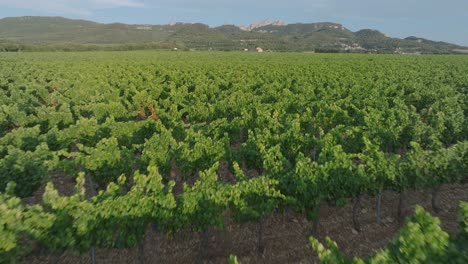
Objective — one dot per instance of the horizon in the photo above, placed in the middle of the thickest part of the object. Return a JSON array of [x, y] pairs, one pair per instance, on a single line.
[[397, 18]]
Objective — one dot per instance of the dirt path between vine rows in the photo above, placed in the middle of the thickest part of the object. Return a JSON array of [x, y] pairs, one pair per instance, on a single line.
[[285, 235]]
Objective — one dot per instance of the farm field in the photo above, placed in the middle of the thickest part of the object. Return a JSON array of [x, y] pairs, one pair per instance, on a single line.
[[187, 157]]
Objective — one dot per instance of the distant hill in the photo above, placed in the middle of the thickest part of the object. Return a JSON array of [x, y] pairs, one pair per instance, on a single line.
[[58, 33]]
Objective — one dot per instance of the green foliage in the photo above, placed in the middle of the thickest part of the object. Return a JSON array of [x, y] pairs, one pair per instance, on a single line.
[[203, 205], [106, 161], [18, 220], [463, 219], [233, 260], [420, 241], [201, 136], [29, 169]]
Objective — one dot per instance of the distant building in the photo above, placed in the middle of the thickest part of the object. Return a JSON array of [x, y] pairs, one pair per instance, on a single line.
[[144, 28]]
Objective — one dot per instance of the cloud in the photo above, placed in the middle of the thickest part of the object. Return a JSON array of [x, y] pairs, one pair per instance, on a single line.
[[70, 7]]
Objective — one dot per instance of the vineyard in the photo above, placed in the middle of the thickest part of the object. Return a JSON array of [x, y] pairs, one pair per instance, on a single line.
[[172, 142]]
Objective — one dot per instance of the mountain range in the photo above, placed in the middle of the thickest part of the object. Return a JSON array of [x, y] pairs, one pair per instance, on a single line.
[[58, 33]]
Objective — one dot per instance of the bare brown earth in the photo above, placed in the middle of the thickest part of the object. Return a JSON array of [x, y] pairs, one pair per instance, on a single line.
[[285, 234]]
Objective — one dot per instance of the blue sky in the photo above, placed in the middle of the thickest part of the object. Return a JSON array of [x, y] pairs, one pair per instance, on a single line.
[[438, 20]]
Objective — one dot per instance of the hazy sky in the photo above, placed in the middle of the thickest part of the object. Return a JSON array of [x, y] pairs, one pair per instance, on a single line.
[[445, 20]]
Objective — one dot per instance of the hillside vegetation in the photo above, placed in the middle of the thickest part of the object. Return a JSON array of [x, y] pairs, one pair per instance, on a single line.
[[57, 33]]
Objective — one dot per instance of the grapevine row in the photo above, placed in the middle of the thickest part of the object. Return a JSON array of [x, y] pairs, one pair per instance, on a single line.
[[177, 143]]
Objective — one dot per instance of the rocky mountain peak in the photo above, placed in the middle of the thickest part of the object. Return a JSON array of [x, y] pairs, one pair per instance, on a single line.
[[264, 23]]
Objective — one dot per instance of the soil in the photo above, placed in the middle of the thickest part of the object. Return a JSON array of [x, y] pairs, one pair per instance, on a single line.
[[285, 234], [63, 183]]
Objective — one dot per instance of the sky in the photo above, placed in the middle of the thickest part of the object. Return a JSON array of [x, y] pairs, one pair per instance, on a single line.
[[445, 20]]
